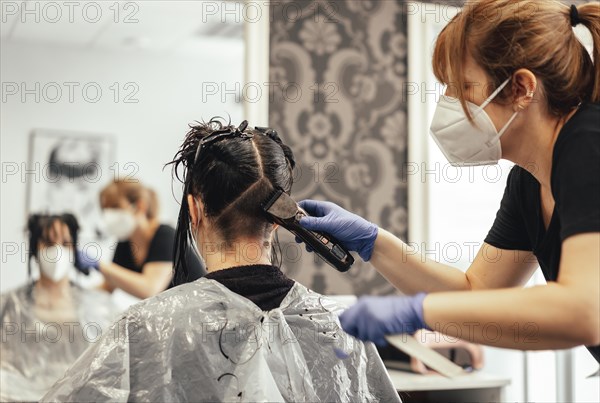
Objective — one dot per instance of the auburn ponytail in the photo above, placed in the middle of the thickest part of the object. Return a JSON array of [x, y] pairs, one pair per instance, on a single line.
[[503, 36], [589, 15]]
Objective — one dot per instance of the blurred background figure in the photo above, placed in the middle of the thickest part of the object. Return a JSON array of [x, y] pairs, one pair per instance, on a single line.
[[142, 264], [49, 322]]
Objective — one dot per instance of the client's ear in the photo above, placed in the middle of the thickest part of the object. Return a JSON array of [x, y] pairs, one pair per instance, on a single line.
[[195, 208]]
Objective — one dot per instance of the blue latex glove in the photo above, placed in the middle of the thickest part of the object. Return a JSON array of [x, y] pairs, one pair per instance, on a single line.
[[354, 232], [371, 318], [86, 262]]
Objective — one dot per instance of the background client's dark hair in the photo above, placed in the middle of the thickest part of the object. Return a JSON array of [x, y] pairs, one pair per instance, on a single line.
[[38, 229], [233, 177]]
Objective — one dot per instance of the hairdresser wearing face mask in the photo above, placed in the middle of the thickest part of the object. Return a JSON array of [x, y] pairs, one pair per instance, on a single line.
[[520, 87], [143, 261]]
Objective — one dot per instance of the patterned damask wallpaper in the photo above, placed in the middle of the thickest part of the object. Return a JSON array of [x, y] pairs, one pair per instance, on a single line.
[[337, 74]]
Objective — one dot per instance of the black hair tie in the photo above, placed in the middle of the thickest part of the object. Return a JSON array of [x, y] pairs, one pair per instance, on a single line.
[[574, 14], [273, 135], [270, 133]]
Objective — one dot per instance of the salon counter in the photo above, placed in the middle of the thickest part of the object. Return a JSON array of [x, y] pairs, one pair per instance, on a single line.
[[471, 387]]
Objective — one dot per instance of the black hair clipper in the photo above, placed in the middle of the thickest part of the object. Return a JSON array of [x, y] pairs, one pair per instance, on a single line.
[[283, 210]]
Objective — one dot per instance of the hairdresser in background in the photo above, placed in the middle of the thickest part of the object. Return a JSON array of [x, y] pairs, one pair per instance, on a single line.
[[143, 261], [522, 87], [49, 322]]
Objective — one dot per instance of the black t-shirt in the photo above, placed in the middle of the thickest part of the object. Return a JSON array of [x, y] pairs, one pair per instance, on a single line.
[[575, 183], [160, 250], [265, 285]]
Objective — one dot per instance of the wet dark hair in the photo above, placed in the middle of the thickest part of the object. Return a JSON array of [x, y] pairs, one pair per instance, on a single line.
[[233, 176], [38, 229]]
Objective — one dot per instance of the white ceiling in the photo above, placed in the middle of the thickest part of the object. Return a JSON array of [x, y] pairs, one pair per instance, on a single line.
[[179, 25]]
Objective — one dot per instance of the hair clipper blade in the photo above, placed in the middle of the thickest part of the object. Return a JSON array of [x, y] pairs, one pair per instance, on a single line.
[[283, 210]]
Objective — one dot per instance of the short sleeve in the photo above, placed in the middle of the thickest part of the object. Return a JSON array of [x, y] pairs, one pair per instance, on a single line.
[[120, 256], [576, 183], [161, 249], [509, 230]]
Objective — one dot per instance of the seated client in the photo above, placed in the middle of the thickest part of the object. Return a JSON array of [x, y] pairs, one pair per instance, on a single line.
[[49, 322], [244, 332]]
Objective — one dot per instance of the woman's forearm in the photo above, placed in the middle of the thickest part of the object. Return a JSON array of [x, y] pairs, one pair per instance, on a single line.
[[106, 286], [551, 316], [129, 281], [409, 271]]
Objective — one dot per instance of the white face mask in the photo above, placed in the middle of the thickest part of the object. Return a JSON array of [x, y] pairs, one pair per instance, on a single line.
[[55, 262], [119, 223], [463, 143]]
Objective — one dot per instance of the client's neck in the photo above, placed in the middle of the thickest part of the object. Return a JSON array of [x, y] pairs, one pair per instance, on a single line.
[[52, 294], [243, 252], [55, 288]]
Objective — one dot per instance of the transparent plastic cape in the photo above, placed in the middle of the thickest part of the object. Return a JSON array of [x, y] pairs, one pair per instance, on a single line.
[[39, 343], [202, 342]]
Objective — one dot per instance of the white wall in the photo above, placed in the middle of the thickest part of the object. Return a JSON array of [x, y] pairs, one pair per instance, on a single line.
[[147, 133]]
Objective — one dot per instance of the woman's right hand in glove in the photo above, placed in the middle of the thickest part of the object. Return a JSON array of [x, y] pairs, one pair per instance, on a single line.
[[354, 232]]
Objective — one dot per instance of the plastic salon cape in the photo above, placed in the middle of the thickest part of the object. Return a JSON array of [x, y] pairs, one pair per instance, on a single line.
[[35, 351], [202, 342]]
